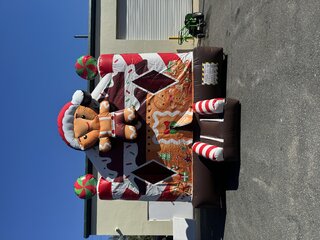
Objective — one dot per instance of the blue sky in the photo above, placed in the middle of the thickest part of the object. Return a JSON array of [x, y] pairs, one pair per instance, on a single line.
[[38, 55]]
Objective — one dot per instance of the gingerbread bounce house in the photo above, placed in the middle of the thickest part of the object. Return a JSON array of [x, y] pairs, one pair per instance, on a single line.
[[154, 126]]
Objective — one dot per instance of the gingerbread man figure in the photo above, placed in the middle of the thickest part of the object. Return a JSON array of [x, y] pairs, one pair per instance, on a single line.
[[84, 122]]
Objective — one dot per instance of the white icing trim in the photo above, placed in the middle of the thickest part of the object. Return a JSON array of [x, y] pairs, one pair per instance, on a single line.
[[104, 118], [212, 120], [131, 114], [212, 138], [98, 91]]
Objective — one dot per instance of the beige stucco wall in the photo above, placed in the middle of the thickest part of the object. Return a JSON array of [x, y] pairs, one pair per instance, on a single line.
[[131, 217], [109, 43]]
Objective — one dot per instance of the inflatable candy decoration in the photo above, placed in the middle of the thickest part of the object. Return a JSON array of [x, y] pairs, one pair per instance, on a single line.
[[85, 186], [86, 67]]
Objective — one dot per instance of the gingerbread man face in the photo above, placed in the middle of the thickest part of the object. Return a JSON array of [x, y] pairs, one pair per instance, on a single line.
[[86, 127]]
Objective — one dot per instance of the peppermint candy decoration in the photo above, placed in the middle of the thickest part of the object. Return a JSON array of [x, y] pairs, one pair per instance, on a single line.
[[86, 186], [86, 67]]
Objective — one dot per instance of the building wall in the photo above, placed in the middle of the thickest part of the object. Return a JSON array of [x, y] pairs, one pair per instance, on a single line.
[[131, 217], [109, 43]]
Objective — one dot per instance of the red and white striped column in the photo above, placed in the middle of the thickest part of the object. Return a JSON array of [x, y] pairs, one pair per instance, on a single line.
[[214, 105], [211, 152]]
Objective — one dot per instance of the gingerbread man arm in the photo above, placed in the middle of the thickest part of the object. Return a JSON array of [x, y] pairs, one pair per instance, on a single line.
[[129, 114], [104, 107], [104, 144]]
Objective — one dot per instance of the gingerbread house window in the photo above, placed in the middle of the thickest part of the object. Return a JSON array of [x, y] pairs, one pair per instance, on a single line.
[[153, 172]]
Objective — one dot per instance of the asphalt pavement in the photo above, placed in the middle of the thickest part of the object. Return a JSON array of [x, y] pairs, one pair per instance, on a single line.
[[273, 53]]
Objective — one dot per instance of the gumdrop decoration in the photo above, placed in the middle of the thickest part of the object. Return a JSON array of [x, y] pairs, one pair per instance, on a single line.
[[86, 186], [86, 67]]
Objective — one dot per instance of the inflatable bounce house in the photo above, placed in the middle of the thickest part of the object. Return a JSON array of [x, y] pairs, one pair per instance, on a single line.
[[152, 125]]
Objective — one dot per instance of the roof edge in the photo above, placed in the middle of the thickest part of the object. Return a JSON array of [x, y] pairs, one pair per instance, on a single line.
[[90, 87]]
